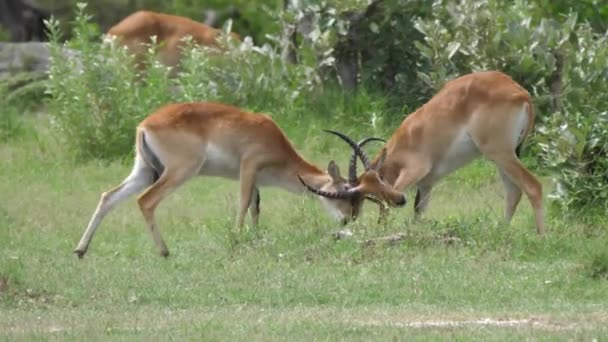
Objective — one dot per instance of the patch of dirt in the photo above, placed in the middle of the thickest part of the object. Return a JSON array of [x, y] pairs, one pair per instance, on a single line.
[[533, 322]]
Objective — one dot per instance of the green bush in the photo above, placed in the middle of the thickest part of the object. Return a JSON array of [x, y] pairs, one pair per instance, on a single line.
[[597, 264], [574, 140], [15, 103], [97, 96], [250, 77], [11, 124]]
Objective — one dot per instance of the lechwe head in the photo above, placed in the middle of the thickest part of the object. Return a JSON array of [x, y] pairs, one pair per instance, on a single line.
[[484, 113], [369, 186], [180, 141]]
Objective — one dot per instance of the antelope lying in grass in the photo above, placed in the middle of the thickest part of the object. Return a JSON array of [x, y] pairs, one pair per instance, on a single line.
[[136, 30], [484, 113], [180, 141]]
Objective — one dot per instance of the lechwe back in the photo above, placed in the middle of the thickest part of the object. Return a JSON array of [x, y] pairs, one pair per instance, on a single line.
[[180, 141], [484, 113], [137, 30]]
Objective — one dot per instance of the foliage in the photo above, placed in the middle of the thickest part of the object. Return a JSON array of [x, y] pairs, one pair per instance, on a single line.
[[95, 104], [24, 89], [4, 34], [379, 34], [16, 100], [11, 124], [252, 19], [594, 12], [248, 77], [597, 268], [574, 140]]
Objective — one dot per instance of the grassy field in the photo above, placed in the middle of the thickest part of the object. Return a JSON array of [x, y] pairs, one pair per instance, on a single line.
[[459, 274]]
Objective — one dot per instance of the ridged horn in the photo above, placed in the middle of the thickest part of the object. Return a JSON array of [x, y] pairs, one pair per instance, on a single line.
[[352, 166], [334, 195], [354, 146]]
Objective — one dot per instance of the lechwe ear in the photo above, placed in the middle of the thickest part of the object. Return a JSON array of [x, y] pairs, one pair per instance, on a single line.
[[334, 171]]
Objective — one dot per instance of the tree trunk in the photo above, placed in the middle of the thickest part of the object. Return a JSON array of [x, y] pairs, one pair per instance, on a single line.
[[349, 47], [288, 39], [556, 82], [347, 65]]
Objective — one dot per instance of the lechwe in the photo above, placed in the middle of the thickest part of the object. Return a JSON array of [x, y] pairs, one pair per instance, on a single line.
[[484, 113], [136, 31], [180, 141]]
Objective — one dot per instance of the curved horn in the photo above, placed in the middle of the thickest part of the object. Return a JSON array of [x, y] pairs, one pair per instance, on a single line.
[[334, 195], [352, 166], [355, 147]]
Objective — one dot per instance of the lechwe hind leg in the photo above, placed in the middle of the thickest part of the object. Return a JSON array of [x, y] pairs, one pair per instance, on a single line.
[[254, 206], [170, 180], [525, 181], [501, 147], [141, 177], [248, 192], [512, 196]]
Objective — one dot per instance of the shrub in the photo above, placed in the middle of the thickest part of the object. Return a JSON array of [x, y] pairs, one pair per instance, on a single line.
[[11, 124], [574, 140], [597, 268], [250, 77], [96, 97], [14, 103]]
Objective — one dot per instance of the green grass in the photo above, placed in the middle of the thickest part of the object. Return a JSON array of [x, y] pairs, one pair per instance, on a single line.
[[287, 279]]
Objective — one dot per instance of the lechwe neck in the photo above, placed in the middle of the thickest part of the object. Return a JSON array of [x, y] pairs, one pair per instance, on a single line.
[[311, 174]]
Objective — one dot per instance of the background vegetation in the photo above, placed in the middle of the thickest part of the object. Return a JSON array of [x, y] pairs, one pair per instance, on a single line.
[[66, 139]]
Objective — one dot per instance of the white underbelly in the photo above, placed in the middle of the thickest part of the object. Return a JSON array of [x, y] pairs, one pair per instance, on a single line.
[[266, 177], [461, 152], [220, 163]]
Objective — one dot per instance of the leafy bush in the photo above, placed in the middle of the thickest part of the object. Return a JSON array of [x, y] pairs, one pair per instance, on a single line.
[[24, 89], [97, 96], [597, 268], [11, 124], [249, 77], [574, 140], [14, 103]]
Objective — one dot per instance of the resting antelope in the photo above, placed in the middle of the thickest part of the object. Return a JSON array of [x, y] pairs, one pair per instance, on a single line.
[[179, 141], [484, 113], [136, 30]]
